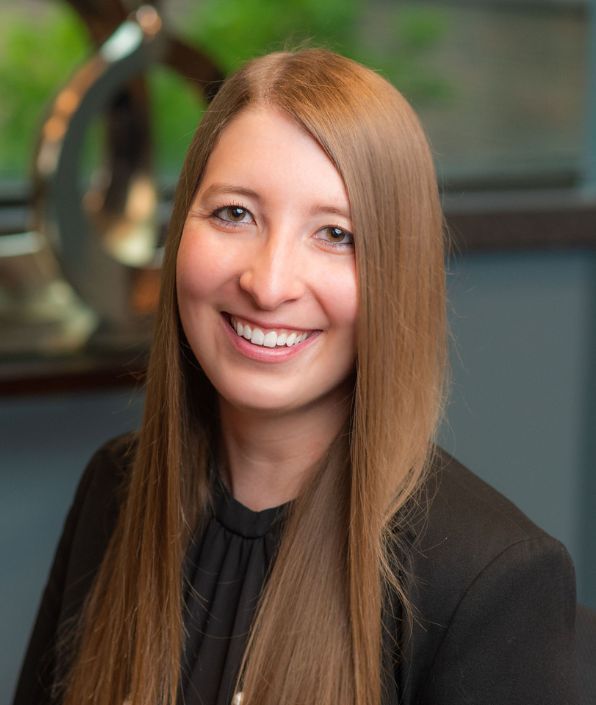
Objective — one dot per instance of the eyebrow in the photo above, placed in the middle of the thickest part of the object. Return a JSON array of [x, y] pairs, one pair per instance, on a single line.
[[333, 210], [231, 189], [317, 209]]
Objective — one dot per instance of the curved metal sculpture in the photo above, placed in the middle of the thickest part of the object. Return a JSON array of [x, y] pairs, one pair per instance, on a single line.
[[107, 241]]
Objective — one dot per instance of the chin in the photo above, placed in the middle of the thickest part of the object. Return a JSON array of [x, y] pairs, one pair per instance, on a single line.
[[261, 400]]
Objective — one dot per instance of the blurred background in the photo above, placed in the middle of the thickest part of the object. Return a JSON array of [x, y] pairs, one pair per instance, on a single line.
[[97, 107]]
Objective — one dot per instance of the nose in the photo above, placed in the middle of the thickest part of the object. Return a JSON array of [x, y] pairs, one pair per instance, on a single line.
[[274, 275]]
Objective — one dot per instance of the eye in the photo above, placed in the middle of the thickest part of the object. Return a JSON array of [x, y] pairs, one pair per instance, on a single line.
[[335, 236], [233, 214]]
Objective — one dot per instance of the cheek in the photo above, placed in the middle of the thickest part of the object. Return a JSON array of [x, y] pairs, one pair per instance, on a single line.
[[340, 298], [197, 272]]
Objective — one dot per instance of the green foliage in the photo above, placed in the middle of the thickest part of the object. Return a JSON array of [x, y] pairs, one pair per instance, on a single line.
[[416, 31], [37, 54], [40, 51], [175, 112], [234, 30]]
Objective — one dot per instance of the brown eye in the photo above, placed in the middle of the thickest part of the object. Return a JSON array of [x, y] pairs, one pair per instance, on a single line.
[[337, 236], [233, 214], [236, 213]]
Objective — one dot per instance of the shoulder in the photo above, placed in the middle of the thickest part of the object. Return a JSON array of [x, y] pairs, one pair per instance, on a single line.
[[93, 516], [85, 536], [103, 484], [110, 464], [486, 585], [464, 523]]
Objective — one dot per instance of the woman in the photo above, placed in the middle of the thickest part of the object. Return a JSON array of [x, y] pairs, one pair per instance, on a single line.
[[286, 452]]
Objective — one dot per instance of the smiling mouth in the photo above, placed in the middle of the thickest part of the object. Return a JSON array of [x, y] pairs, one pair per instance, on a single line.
[[267, 337]]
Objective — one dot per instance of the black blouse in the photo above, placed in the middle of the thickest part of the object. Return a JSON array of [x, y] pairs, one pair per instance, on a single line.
[[493, 595], [226, 567]]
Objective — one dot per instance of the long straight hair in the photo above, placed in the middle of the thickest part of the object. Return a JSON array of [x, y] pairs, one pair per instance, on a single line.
[[317, 635]]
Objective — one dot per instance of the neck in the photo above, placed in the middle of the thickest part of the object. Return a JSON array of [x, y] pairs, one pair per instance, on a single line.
[[266, 458]]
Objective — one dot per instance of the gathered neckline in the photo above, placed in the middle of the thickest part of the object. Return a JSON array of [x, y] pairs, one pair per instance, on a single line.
[[238, 518]]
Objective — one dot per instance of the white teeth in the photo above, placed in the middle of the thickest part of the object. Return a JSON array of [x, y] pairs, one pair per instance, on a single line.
[[257, 337], [270, 339]]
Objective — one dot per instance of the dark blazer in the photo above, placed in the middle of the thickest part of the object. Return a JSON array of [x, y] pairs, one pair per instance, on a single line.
[[493, 595]]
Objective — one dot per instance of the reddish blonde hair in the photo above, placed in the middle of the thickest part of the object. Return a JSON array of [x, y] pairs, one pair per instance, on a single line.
[[317, 633]]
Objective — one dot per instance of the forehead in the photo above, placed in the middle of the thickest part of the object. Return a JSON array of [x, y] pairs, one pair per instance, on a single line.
[[266, 150]]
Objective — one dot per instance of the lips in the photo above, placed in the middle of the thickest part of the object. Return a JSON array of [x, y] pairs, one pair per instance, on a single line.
[[267, 337]]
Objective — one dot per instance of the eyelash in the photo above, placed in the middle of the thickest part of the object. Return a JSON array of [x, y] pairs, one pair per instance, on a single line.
[[345, 233], [217, 215]]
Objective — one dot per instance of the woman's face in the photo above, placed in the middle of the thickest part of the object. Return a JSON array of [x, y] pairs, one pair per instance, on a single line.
[[266, 276]]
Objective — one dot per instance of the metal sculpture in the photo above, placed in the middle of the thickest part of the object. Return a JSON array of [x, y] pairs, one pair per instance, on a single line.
[[106, 240]]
